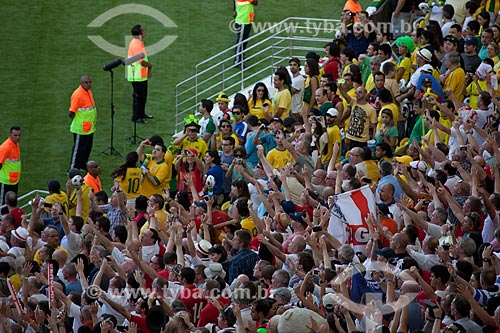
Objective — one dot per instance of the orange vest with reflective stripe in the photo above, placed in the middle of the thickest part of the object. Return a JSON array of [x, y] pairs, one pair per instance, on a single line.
[[10, 158], [83, 106], [137, 72]]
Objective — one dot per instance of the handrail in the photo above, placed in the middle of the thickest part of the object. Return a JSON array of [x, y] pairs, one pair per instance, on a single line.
[[27, 196], [266, 50]]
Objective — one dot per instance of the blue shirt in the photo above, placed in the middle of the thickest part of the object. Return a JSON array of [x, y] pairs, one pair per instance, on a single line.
[[390, 179], [268, 143], [243, 263], [358, 45], [241, 130], [218, 174]]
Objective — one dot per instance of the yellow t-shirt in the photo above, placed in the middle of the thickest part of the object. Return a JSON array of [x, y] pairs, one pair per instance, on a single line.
[[161, 220], [406, 64], [131, 184], [352, 93], [282, 99], [85, 201], [37, 256], [248, 224], [361, 118], [279, 158], [200, 145], [473, 93], [62, 198], [370, 83], [162, 174], [333, 136], [456, 81], [258, 109], [218, 137]]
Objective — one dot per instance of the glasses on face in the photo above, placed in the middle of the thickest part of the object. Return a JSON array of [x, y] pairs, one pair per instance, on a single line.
[[237, 113], [237, 155], [226, 144], [225, 126], [86, 81], [193, 130]]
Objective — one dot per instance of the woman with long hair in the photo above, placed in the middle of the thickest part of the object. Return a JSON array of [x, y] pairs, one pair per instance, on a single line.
[[311, 68], [259, 101], [241, 100], [189, 165], [127, 177], [388, 133], [484, 20]]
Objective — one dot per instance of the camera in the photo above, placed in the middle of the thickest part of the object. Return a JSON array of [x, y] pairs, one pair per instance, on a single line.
[[238, 160]]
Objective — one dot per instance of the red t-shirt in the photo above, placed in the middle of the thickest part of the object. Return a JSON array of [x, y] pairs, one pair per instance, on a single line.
[[17, 213], [141, 323], [209, 313], [193, 299]]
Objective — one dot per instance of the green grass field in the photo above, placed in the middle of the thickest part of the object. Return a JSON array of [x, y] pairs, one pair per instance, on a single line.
[[46, 50]]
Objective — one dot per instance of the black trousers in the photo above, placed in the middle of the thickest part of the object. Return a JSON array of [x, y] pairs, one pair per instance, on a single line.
[[242, 33], [140, 96], [4, 188], [82, 146]]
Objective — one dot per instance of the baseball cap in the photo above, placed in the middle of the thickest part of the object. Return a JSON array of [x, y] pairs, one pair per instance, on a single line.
[[471, 41], [386, 252], [277, 119], [332, 112], [420, 165], [404, 159], [425, 54]]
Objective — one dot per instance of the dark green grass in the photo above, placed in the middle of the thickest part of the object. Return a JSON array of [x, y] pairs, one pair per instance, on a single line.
[[45, 51]]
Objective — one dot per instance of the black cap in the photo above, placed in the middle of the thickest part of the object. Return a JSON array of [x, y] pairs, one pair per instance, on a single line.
[[277, 119]]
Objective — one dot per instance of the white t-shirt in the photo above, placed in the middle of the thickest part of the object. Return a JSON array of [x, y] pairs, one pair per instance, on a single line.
[[297, 83]]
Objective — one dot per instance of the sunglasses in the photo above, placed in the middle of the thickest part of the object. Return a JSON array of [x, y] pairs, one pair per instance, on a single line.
[[225, 126], [237, 113], [193, 130], [238, 155]]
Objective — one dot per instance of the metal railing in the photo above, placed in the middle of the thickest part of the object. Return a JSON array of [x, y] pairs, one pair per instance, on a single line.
[[24, 200], [266, 50]]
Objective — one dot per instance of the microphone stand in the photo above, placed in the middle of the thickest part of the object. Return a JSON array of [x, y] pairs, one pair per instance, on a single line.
[[111, 149]]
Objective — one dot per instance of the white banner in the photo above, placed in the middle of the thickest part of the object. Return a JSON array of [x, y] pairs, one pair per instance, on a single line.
[[348, 217]]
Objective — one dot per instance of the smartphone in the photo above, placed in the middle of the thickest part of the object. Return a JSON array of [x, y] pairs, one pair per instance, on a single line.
[[317, 228], [265, 104], [47, 205]]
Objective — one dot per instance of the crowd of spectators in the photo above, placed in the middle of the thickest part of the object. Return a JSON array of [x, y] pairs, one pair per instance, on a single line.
[[228, 228]]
